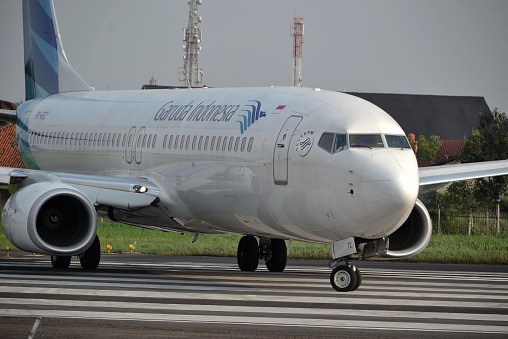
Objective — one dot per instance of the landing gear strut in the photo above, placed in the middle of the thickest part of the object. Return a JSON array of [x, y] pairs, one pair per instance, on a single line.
[[89, 259], [272, 250]]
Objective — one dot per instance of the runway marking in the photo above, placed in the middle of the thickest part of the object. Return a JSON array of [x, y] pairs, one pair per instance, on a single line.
[[266, 321], [127, 305], [405, 300], [333, 298]]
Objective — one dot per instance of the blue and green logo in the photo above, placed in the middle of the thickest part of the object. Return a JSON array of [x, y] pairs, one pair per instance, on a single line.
[[252, 114]]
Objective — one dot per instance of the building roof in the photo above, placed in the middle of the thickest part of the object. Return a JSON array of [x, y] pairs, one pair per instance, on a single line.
[[450, 150], [449, 117], [9, 156]]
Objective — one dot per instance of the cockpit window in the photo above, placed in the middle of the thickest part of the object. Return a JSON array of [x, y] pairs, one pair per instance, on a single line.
[[366, 140], [340, 143], [326, 142], [333, 143], [397, 141]]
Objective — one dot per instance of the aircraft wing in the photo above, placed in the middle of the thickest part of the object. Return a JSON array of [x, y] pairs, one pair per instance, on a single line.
[[116, 192], [435, 177]]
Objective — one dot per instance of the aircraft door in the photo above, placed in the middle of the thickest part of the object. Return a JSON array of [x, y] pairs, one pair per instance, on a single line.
[[139, 144], [129, 156], [281, 152]]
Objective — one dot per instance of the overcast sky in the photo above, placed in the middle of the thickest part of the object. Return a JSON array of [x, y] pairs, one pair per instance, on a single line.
[[442, 47]]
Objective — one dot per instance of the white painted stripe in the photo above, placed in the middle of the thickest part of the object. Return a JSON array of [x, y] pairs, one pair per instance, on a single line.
[[334, 298], [265, 321], [237, 287], [128, 306], [268, 280]]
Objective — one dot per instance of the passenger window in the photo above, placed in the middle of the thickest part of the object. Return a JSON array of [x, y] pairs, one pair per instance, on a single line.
[[249, 147], [206, 143], [149, 141], [224, 143], [218, 143], [397, 141], [200, 143], [176, 142], [366, 140], [194, 142], [170, 141], [230, 145], [154, 140], [164, 142], [244, 140], [212, 143], [237, 142], [187, 142], [326, 141], [182, 142], [144, 141]]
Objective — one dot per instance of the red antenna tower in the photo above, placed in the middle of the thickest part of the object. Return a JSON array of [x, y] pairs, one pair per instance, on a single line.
[[297, 34]]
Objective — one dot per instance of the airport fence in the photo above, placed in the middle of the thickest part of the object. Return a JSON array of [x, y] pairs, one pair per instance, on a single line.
[[474, 223]]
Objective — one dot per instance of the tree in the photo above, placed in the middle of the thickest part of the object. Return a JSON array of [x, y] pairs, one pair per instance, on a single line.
[[427, 149], [488, 143]]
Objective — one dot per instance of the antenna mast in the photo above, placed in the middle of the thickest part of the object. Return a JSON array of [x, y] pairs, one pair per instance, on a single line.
[[190, 75], [297, 34]]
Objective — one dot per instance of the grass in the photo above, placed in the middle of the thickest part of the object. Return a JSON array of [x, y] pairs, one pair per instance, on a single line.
[[489, 249]]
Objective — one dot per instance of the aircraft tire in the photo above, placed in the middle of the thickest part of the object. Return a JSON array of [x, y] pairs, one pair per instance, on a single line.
[[92, 256], [278, 257], [343, 278], [248, 253], [60, 262], [358, 279]]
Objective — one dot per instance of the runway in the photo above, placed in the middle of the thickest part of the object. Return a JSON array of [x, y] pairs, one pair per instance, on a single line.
[[155, 296]]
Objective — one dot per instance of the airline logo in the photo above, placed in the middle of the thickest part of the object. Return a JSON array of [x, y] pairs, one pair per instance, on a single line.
[[305, 143], [252, 114]]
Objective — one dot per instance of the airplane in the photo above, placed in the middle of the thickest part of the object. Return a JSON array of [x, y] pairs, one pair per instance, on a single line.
[[275, 164]]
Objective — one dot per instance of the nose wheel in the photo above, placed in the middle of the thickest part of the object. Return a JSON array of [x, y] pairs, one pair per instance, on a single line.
[[345, 278]]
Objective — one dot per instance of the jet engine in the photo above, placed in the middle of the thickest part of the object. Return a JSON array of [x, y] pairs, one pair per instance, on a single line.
[[50, 217], [413, 236]]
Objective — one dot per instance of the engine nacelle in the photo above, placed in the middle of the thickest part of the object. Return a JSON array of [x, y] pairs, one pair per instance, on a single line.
[[413, 236], [51, 218]]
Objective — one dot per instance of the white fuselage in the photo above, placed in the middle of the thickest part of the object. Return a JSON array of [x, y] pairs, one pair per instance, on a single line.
[[232, 160]]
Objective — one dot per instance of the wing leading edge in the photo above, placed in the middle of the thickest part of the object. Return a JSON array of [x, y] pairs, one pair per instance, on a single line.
[[435, 177], [116, 192]]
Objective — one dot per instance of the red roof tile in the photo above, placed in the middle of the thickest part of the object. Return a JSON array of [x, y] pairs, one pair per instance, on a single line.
[[9, 156], [449, 150]]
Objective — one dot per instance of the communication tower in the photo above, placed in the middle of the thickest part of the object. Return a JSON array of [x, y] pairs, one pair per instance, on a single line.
[[190, 75], [297, 34]]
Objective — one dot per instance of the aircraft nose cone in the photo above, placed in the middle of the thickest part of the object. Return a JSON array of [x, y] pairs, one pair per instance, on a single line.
[[389, 190]]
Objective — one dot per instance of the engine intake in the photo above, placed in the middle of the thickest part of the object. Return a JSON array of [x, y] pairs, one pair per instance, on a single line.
[[50, 217], [413, 236]]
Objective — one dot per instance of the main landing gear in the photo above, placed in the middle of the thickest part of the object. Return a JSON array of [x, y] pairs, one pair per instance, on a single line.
[[89, 259], [272, 250]]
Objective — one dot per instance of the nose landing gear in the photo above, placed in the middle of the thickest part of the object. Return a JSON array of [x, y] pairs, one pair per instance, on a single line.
[[345, 278]]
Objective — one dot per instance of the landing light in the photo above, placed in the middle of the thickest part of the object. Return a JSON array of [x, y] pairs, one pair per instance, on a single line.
[[139, 189]]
